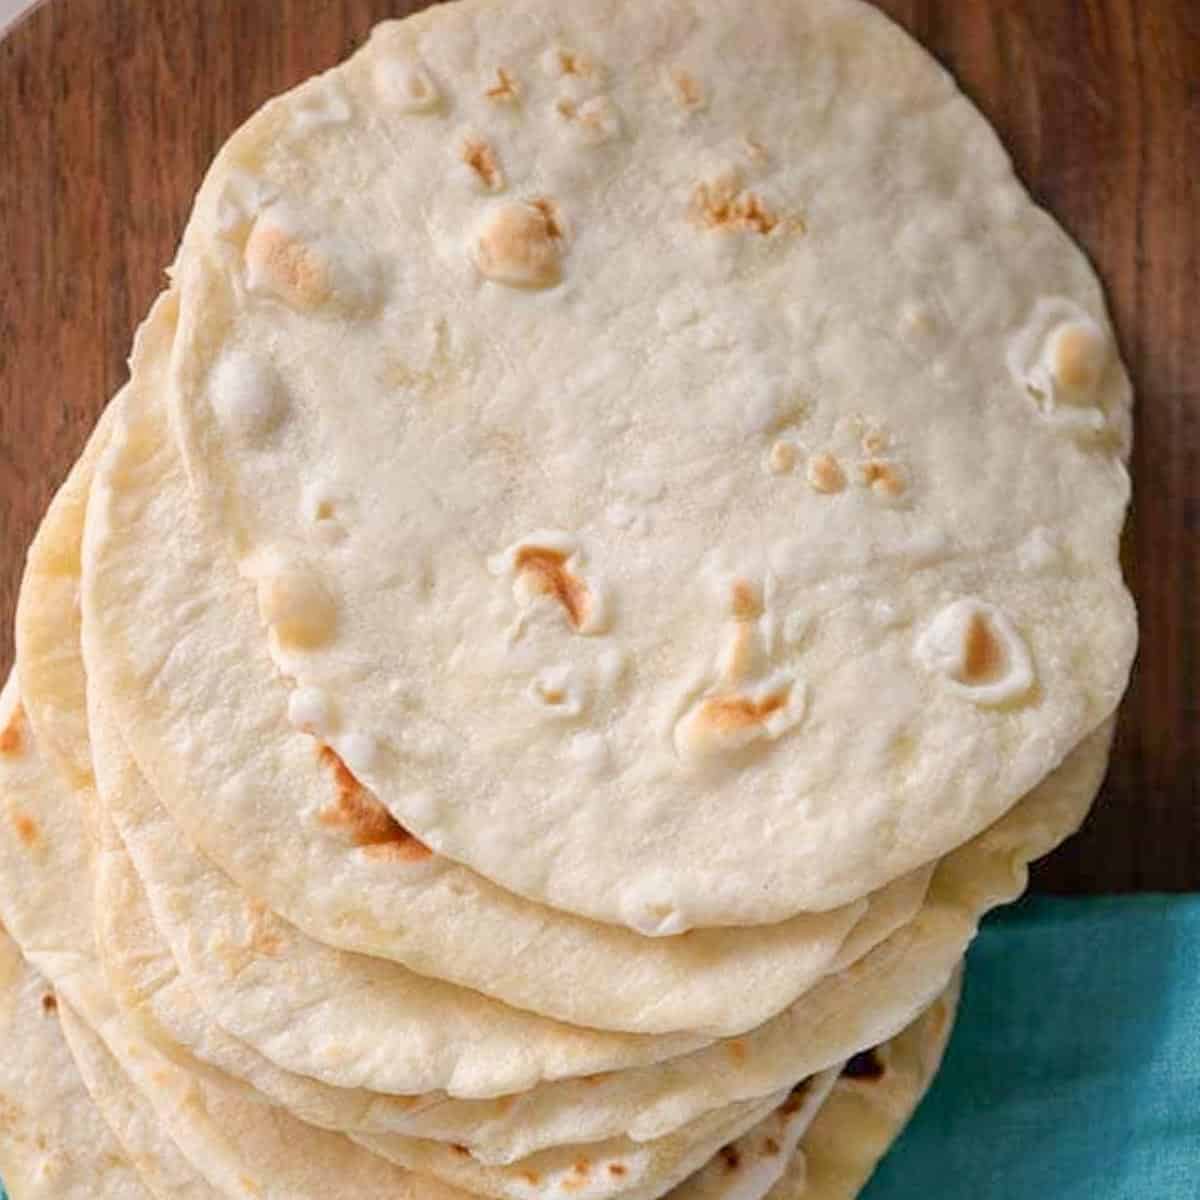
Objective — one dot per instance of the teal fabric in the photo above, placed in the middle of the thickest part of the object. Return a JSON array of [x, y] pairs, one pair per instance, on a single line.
[[1074, 1072]]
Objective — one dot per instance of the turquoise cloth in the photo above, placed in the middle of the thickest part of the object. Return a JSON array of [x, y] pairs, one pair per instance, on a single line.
[[1074, 1073]]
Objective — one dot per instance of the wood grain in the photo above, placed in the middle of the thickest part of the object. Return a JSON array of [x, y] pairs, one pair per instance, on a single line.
[[111, 109]]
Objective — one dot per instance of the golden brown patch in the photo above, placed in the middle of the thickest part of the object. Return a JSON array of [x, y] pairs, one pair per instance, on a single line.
[[617, 1170], [736, 1050], [729, 713], [521, 245], [771, 1146], [530, 1176], [883, 477], [506, 89], [27, 829], [593, 1080], [481, 158], [723, 204], [460, 1150], [293, 267], [367, 823], [581, 1166], [12, 738], [545, 571], [550, 215], [686, 89], [408, 850], [49, 1003], [730, 1156], [744, 601], [825, 474], [250, 1186], [571, 62], [983, 657]]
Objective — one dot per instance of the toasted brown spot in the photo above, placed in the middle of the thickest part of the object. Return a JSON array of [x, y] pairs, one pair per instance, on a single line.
[[12, 739], [27, 828], [294, 268], [738, 712], [744, 601], [771, 1146], [481, 158], [530, 1176], [883, 477], [736, 1050], [367, 823], [460, 1150], [825, 474], [686, 89], [1079, 357], [545, 571], [505, 90], [571, 62], [984, 653], [521, 245], [617, 1170], [49, 1003], [866, 1065], [408, 850], [550, 215], [593, 1080], [730, 1156], [581, 1166], [723, 204]]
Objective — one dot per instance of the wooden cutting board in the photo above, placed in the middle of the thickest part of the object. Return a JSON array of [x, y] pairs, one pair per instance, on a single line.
[[110, 110]]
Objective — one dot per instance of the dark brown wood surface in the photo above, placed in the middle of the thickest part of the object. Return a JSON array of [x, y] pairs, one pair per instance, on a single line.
[[111, 109]]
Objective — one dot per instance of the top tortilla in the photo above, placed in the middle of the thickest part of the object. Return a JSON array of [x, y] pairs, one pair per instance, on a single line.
[[680, 467]]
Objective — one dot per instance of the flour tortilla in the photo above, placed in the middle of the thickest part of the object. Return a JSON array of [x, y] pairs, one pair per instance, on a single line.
[[163, 638], [53, 1143], [499, 531]]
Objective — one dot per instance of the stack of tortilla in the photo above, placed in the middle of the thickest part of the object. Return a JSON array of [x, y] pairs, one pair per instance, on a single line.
[[605, 568]]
